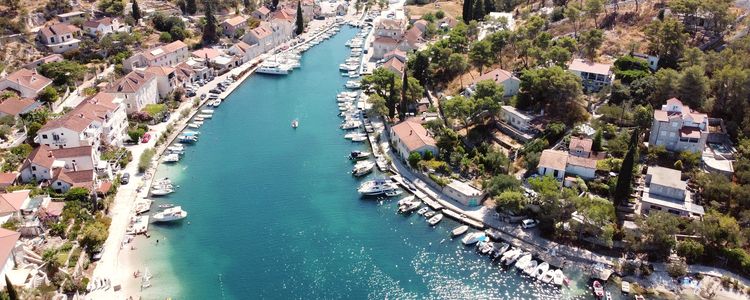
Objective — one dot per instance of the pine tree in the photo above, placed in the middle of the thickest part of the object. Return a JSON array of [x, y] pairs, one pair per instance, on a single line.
[[478, 10], [12, 294], [190, 7], [597, 143], [625, 178], [300, 19], [392, 98], [136, 11], [404, 88], [210, 34], [467, 10]]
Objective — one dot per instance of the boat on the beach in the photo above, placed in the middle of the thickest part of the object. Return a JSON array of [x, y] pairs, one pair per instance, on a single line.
[[146, 279], [472, 238], [598, 289], [543, 267], [170, 214], [295, 124], [559, 277], [376, 187], [435, 219], [459, 230], [363, 168]]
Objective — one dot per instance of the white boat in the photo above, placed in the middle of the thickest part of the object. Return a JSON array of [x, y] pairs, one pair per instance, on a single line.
[[530, 267], [510, 256], [459, 230], [376, 187], [172, 157], [351, 125], [405, 200], [522, 261], [207, 111], [625, 287], [547, 276], [500, 248], [359, 138], [559, 278], [435, 219], [146, 279], [422, 210], [472, 238], [485, 247], [206, 116], [295, 124], [273, 68], [351, 84], [543, 267], [363, 168], [170, 214], [161, 192], [393, 193], [198, 119], [358, 155], [409, 206], [194, 125], [216, 103]]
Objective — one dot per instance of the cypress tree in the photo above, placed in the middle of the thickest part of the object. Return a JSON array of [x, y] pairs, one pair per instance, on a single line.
[[300, 19], [404, 88], [391, 101], [190, 7], [478, 12], [12, 294], [625, 178], [210, 31], [136, 11], [467, 10], [597, 143], [274, 4], [489, 6]]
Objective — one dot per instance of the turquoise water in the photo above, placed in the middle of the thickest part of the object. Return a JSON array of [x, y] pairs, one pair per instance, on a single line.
[[273, 212]]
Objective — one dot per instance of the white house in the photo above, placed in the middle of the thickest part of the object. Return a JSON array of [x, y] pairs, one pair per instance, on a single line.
[[12, 203], [193, 70], [60, 38], [464, 193], [506, 79], [679, 128], [666, 191], [69, 131], [557, 164], [168, 55], [43, 161], [106, 111], [410, 136], [262, 36], [244, 51], [515, 118], [166, 78], [593, 75], [262, 13], [104, 26], [44, 60], [232, 25], [136, 89], [27, 83]]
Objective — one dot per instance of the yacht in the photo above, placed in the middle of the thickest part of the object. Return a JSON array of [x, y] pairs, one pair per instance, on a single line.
[[459, 230], [435, 219], [376, 187], [172, 157], [162, 191], [362, 168], [273, 68], [358, 155], [351, 84], [351, 125], [170, 214]]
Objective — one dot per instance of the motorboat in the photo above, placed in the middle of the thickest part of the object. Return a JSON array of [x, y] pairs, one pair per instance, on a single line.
[[143, 207], [351, 125], [559, 278], [405, 200], [198, 119], [161, 192], [273, 68], [376, 187], [499, 249], [216, 103], [598, 289], [172, 157], [359, 138], [435, 219], [459, 230], [429, 214], [530, 267], [543, 267], [363, 168], [472, 238], [354, 134], [359, 155], [394, 193], [512, 257], [194, 125], [167, 205], [485, 247], [351, 84], [295, 124], [523, 261], [170, 214], [639, 297], [187, 139], [205, 116], [422, 210], [625, 287], [548, 276], [409, 207]]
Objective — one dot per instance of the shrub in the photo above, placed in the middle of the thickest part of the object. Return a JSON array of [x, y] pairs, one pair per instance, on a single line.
[[145, 161]]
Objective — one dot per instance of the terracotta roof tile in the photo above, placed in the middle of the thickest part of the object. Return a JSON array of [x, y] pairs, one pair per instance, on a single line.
[[553, 159], [577, 143], [130, 83], [8, 239], [29, 79], [413, 135], [14, 106], [589, 67]]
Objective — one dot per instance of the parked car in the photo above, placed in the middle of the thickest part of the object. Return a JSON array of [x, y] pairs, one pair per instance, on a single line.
[[125, 178], [529, 223], [203, 96], [146, 137]]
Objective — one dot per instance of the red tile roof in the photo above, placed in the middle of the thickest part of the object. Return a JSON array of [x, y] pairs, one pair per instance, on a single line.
[[235, 21], [29, 79], [589, 67], [413, 135], [41, 156], [497, 75], [72, 152], [58, 29], [577, 143], [15, 105], [8, 239], [8, 178], [553, 159], [130, 83]]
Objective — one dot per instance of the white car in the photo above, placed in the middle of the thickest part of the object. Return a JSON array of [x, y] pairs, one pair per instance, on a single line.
[[529, 223]]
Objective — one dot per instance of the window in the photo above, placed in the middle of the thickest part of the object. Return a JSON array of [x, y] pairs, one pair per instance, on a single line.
[[33, 168], [59, 184], [44, 136]]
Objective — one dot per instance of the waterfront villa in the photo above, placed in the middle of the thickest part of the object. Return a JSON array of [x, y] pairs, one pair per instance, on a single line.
[[60, 38], [165, 55], [43, 161], [464, 193], [679, 128], [558, 163], [666, 191], [593, 75], [410, 136], [27, 83], [14, 106], [137, 90], [231, 25], [104, 26], [506, 79], [100, 116]]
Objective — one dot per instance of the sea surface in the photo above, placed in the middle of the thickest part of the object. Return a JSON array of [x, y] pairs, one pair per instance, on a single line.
[[274, 212]]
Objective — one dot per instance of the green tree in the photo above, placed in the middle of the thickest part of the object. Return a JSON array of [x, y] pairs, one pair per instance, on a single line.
[[467, 11], [593, 9], [93, 235], [111, 7], [210, 30], [500, 183], [511, 201], [136, 11], [677, 268], [555, 90], [693, 86], [625, 177], [48, 95], [300, 22], [414, 158], [643, 115], [459, 108], [657, 233], [666, 84], [690, 250], [667, 39], [590, 41], [420, 67], [63, 73], [165, 37], [597, 143], [573, 14], [77, 194], [391, 103], [692, 56], [720, 230], [191, 7], [478, 10], [481, 54]]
